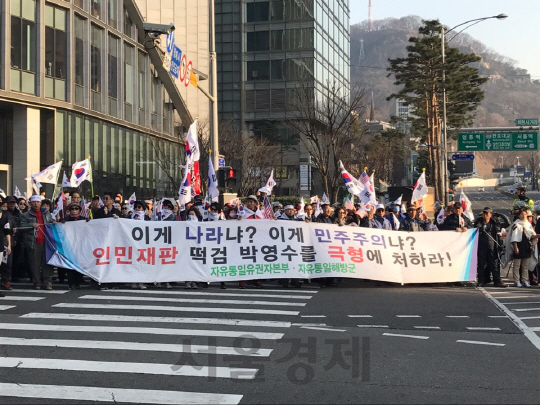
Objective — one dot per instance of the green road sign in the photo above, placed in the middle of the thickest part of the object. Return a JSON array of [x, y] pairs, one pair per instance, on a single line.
[[497, 141], [527, 122]]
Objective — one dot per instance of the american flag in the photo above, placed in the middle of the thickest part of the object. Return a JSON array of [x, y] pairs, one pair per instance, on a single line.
[[364, 178], [268, 212]]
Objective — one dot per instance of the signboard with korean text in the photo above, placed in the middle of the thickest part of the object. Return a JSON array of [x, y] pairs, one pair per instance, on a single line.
[[498, 141], [526, 122], [130, 251], [175, 61]]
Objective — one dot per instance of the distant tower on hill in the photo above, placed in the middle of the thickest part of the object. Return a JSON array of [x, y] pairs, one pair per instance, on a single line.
[[370, 18], [361, 55]]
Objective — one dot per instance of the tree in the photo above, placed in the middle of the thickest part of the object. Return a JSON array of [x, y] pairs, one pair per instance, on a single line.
[[420, 74], [328, 126], [385, 153]]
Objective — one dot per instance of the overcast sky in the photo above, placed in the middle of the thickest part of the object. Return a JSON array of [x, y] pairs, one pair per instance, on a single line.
[[517, 37]]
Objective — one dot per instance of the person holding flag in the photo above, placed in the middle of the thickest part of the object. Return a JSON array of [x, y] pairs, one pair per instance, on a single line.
[[269, 186], [456, 221]]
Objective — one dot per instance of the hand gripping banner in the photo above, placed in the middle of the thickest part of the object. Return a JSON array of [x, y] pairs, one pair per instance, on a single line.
[[128, 251]]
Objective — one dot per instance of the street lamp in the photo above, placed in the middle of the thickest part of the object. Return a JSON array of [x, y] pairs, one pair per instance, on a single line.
[[444, 166]]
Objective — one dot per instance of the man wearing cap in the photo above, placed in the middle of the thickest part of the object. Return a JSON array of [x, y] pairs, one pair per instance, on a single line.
[[167, 211], [411, 223], [379, 221], [393, 217], [488, 266], [33, 229], [288, 214], [277, 207], [456, 221]]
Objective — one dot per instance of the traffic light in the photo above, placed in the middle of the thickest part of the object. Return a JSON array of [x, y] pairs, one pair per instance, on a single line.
[[221, 177], [230, 182]]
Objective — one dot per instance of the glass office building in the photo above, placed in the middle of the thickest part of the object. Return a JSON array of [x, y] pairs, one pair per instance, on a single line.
[[75, 81], [266, 49]]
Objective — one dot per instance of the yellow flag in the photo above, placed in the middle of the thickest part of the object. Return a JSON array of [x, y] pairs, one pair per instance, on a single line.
[[193, 79]]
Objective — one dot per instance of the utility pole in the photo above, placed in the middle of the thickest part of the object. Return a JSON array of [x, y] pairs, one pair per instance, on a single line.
[[213, 60]]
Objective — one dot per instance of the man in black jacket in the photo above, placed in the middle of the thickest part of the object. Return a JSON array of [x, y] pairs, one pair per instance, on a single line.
[[488, 265], [108, 210], [456, 221]]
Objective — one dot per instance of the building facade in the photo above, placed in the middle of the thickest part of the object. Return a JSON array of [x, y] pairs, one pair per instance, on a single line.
[[76, 80], [265, 50]]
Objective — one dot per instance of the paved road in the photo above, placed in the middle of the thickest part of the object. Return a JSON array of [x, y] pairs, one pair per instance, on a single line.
[[490, 198], [362, 342]]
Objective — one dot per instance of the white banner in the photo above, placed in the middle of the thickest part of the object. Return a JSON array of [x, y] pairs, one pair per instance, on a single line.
[[127, 251]]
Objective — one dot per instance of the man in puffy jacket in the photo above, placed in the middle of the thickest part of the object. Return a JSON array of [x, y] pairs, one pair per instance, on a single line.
[[33, 230], [456, 221]]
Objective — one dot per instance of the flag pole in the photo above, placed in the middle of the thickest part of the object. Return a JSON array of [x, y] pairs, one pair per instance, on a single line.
[[91, 186], [56, 184]]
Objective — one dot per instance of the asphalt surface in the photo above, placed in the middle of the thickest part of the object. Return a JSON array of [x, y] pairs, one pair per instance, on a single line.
[[360, 342], [499, 202]]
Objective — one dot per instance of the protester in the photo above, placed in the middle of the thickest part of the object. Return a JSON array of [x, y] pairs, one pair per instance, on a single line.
[[6, 224], [457, 221], [250, 212], [107, 211], [193, 215], [488, 265], [214, 214], [167, 211], [75, 279], [341, 216], [522, 238], [33, 228], [46, 204], [140, 211], [288, 214], [309, 213], [325, 217], [411, 223], [94, 206], [393, 217], [23, 206], [277, 208], [379, 221]]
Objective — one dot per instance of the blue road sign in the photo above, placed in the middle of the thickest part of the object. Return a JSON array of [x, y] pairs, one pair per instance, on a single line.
[[175, 61], [463, 156], [170, 42], [221, 162]]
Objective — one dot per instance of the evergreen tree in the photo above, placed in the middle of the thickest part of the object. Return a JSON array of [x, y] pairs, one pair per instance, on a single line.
[[420, 74]]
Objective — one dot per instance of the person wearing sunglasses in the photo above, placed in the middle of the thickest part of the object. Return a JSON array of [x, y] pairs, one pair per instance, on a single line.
[[379, 221], [21, 204], [75, 278], [108, 210]]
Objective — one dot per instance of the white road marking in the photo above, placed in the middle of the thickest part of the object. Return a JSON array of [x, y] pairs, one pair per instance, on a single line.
[[178, 309], [527, 331], [26, 290], [481, 328], [497, 316], [215, 294], [308, 324], [522, 303], [457, 316], [313, 316], [474, 342], [11, 298], [146, 331], [526, 309], [406, 336], [134, 346], [408, 316], [428, 327], [191, 300], [360, 316], [4, 307], [373, 326], [101, 394], [529, 317], [536, 329], [287, 291], [127, 367], [124, 318], [326, 329], [514, 296]]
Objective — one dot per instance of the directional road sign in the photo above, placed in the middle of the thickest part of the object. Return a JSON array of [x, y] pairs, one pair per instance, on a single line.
[[462, 156], [527, 122], [498, 141]]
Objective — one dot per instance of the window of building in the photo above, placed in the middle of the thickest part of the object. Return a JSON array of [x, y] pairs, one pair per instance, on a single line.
[[128, 25], [55, 52], [155, 102], [277, 69], [141, 63], [258, 41], [128, 82], [258, 11], [79, 3], [95, 8], [258, 70], [276, 10], [112, 13], [112, 64], [96, 46], [23, 46], [79, 60], [276, 40]]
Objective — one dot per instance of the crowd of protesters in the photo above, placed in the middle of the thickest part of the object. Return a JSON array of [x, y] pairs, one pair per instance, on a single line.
[[24, 238]]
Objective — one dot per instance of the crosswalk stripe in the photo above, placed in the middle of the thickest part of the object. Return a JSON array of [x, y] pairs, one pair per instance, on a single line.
[[126, 318], [148, 331], [178, 309], [193, 301], [27, 290], [127, 367], [135, 346], [4, 307], [216, 294], [287, 291], [11, 298], [101, 394]]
